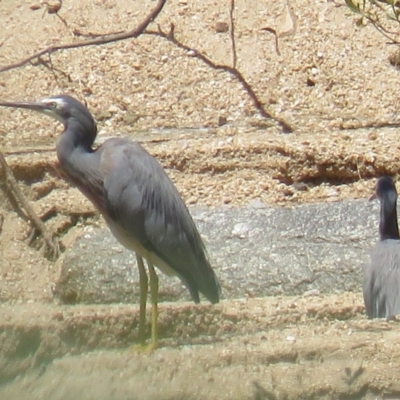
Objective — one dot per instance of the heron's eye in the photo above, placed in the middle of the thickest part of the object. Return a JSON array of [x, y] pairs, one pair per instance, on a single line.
[[51, 105]]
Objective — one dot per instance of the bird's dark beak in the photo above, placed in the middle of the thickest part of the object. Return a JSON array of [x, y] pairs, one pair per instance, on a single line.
[[36, 106]]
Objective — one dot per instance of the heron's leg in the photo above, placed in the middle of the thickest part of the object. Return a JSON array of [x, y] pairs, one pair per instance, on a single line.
[[144, 288], [154, 304]]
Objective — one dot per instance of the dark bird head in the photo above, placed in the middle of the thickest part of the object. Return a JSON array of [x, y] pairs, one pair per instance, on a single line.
[[69, 111], [385, 191]]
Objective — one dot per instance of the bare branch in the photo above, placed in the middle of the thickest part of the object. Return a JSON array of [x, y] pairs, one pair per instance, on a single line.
[[92, 35], [49, 65], [54, 9], [95, 42], [273, 31], [373, 11], [18, 200], [232, 31], [286, 128], [369, 125], [381, 29], [109, 38]]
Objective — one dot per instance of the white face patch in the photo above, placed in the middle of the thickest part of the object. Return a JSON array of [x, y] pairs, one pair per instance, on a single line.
[[53, 107]]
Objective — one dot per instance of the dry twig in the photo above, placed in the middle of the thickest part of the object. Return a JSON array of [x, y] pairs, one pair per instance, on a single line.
[[232, 31], [54, 8], [95, 42], [108, 38], [286, 128], [273, 31], [18, 201]]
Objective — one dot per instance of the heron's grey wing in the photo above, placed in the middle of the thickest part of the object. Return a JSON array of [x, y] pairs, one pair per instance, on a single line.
[[381, 287], [142, 200]]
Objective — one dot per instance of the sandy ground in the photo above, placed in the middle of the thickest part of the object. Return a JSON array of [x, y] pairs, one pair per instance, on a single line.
[[329, 78], [279, 348]]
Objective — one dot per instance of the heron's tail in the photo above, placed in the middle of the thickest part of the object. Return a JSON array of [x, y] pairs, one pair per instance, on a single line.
[[206, 282]]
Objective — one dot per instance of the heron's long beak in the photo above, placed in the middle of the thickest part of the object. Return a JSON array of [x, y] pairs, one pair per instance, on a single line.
[[373, 197], [36, 106]]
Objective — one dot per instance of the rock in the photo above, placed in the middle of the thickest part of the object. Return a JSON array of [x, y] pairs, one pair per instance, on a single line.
[[53, 7], [221, 27], [130, 118], [35, 6], [222, 120], [103, 115], [257, 251]]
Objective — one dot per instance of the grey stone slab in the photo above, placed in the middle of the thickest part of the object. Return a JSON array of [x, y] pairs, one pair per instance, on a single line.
[[255, 251]]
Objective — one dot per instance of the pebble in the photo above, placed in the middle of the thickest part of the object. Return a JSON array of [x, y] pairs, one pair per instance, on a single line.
[[192, 200], [53, 7], [11, 252], [241, 230], [222, 120], [113, 109], [221, 27], [130, 118], [35, 6]]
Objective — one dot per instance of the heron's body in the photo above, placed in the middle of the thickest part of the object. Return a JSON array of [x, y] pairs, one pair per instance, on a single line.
[[382, 280], [381, 287], [141, 207], [139, 202]]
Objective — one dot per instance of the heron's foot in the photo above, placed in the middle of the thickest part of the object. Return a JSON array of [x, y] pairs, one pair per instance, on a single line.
[[144, 347]]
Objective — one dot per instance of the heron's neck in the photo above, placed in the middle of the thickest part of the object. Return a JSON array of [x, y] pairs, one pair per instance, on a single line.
[[388, 226], [73, 147]]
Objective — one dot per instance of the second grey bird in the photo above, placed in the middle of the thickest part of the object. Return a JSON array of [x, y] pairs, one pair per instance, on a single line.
[[381, 286], [139, 202]]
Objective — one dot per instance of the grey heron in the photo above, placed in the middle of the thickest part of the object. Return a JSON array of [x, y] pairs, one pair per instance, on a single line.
[[138, 200], [381, 287]]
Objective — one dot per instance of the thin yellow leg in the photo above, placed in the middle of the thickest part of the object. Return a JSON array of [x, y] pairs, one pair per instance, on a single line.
[[144, 288], [154, 304]]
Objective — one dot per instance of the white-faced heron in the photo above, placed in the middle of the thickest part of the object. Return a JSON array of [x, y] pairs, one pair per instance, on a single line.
[[139, 202], [381, 286]]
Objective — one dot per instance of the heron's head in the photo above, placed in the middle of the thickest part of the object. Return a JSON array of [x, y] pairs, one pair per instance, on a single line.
[[385, 190], [63, 108]]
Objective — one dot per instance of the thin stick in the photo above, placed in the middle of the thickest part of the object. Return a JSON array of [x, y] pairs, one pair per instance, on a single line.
[[286, 128], [95, 42], [18, 200], [232, 30]]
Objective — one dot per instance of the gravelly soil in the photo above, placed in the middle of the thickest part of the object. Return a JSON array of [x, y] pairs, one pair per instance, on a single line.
[[272, 348], [329, 77]]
